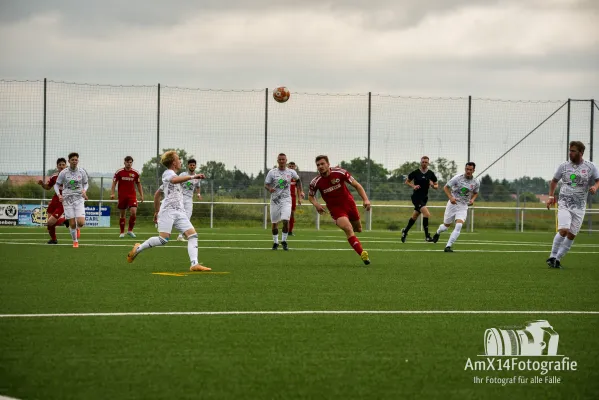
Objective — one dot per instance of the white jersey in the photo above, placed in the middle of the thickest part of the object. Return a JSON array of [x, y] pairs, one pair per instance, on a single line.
[[280, 180], [189, 187], [576, 180], [463, 188], [72, 183], [173, 193]]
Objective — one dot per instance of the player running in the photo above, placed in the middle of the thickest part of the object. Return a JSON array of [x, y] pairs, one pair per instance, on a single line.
[[277, 182], [420, 180], [55, 210], [189, 188], [331, 184]]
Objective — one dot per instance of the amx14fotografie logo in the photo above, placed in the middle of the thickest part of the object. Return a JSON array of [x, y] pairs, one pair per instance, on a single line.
[[532, 348]]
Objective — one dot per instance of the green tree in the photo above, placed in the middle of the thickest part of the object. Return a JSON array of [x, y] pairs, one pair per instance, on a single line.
[[501, 193], [486, 188], [528, 197], [148, 172], [400, 174], [358, 167], [444, 169]]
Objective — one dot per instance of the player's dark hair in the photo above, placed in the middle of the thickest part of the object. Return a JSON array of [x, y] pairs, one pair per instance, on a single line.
[[128, 158], [471, 164], [322, 157], [61, 159], [282, 154], [192, 161], [579, 145], [71, 155], [424, 157]]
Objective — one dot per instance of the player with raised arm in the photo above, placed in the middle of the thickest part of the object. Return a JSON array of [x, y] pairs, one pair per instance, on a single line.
[[331, 184], [462, 191], [55, 210], [277, 182], [172, 213], [189, 189], [297, 195], [579, 178], [420, 180], [71, 187], [127, 179]]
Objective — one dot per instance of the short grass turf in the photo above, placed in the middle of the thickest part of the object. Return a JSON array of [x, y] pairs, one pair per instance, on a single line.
[[286, 356]]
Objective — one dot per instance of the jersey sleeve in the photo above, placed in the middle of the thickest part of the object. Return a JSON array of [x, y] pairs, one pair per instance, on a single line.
[[116, 177], [136, 177], [558, 173], [347, 176], [168, 176], [312, 191], [52, 180], [412, 176], [594, 172], [476, 186], [452, 181], [269, 178], [294, 175], [434, 177]]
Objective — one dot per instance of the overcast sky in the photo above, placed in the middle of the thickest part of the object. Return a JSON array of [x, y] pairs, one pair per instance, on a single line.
[[515, 49]]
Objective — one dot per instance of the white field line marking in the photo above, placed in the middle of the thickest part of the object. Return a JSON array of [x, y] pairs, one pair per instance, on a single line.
[[307, 312], [178, 246], [364, 240], [7, 398]]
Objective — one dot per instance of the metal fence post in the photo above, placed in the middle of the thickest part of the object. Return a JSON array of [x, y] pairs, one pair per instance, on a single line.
[[211, 204], [158, 138], [469, 125], [592, 131], [265, 153], [568, 133], [368, 177]]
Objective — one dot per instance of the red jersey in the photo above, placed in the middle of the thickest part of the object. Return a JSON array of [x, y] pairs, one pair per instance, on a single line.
[[332, 187], [51, 183], [126, 181], [293, 188]]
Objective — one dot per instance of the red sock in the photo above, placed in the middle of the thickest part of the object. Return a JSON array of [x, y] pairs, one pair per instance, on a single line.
[[60, 221], [122, 224], [131, 222], [291, 222], [52, 232], [355, 243]]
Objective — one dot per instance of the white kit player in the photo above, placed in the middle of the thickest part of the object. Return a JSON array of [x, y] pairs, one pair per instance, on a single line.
[[172, 213], [190, 188], [278, 182], [579, 178], [73, 182], [462, 191]]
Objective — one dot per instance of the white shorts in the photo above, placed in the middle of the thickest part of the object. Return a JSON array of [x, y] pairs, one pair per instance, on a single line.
[[280, 212], [75, 210], [454, 212], [188, 207], [167, 219], [570, 219]]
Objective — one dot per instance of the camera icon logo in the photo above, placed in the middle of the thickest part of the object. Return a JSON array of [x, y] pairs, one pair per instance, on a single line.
[[536, 339]]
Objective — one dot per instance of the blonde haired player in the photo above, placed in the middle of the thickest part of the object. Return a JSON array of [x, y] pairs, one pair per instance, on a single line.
[[172, 213], [576, 177]]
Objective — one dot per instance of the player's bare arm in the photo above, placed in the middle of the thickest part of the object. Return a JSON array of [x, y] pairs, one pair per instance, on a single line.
[[593, 189], [552, 187], [112, 188], [449, 195], [157, 196], [185, 178], [319, 208], [362, 194], [141, 192], [434, 185], [42, 184], [300, 191], [474, 196], [270, 189], [411, 184]]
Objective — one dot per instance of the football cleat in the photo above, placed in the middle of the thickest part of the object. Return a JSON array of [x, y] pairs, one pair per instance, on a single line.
[[131, 234], [181, 238], [275, 246], [199, 268], [75, 245], [404, 235], [133, 253], [550, 262], [285, 247], [51, 241], [122, 235], [557, 264], [428, 239], [448, 249], [364, 257], [436, 237]]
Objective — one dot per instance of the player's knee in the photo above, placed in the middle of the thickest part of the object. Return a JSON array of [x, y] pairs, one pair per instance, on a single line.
[[570, 236], [564, 232], [275, 231], [358, 228]]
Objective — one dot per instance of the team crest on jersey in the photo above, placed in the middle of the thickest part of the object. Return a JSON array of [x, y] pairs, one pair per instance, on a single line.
[[335, 181], [131, 175]]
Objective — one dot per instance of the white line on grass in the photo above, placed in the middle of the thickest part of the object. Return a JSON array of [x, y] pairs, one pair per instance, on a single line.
[[407, 250], [7, 398], [307, 312]]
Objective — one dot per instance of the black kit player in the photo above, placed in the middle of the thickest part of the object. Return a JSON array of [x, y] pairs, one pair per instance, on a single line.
[[420, 180]]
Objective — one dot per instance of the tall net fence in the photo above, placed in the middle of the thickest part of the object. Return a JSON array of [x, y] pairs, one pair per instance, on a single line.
[[236, 136]]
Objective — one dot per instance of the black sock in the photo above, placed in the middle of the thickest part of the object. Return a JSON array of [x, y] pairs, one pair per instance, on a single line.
[[425, 226], [410, 224]]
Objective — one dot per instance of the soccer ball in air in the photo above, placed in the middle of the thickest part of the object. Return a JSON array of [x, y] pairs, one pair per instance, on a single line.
[[281, 94]]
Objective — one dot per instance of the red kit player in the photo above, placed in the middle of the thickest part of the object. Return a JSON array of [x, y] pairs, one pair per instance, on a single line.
[[55, 209], [127, 178]]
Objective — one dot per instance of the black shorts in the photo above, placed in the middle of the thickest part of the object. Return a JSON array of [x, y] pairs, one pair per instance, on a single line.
[[419, 202]]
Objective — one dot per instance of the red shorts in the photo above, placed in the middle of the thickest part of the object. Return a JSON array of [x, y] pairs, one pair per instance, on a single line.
[[293, 203], [55, 209], [347, 210], [127, 202]]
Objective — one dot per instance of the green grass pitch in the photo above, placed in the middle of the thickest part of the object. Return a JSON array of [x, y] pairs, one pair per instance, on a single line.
[[409, 340]]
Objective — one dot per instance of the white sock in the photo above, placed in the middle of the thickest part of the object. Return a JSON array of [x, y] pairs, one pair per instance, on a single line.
[[564, 248], [180, 236], [454, 235], [73, 234], [557, 242], [275, 238], [284, 237], [192, 248], [154, 241], [442, 228]]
